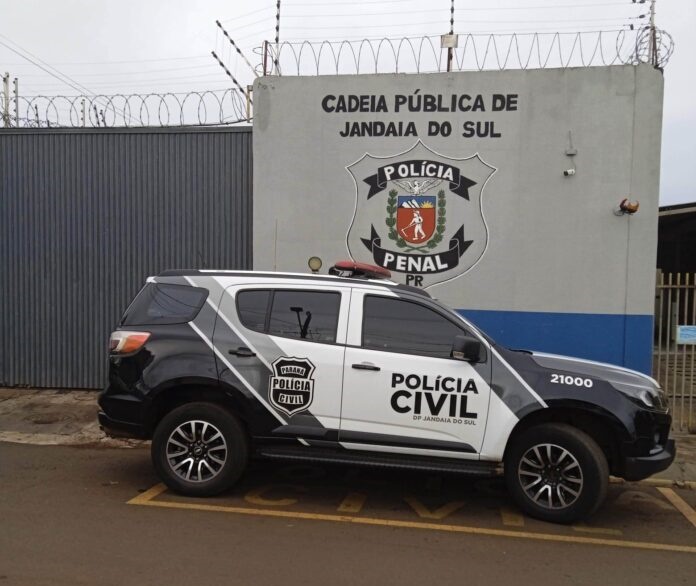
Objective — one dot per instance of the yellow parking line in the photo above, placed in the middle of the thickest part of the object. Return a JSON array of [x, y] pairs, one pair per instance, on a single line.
[[146, 499], [353, 503], [440, 513], [680, 504], [583, 528], [511, 518]]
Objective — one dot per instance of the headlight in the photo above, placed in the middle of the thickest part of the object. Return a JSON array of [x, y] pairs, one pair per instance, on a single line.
[[652, 397]]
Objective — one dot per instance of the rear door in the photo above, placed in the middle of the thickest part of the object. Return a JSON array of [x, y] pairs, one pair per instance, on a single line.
[[287, 344], [402, 392]]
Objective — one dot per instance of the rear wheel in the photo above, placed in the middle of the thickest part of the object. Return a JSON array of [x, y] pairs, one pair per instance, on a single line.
[[199, 449], [556, 473]]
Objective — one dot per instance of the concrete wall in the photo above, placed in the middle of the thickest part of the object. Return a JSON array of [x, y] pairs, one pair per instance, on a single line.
[[542, 261]]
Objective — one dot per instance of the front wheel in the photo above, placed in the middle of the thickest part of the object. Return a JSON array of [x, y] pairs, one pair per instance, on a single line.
[[199, 449], [556, 473]]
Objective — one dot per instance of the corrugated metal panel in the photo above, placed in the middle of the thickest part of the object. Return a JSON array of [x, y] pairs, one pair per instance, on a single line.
[[85, 216]]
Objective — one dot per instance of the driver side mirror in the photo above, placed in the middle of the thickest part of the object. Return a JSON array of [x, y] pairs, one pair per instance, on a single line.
[[466, 348]]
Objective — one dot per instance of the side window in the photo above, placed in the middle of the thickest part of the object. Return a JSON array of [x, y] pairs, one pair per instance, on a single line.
[[162, 303], [252, 307], [306, 315], [396, 325]]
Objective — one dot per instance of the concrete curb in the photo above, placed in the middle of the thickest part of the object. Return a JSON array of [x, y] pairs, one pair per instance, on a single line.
[[56, 439]]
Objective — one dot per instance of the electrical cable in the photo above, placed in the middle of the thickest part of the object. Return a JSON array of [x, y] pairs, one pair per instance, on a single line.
[[431, 10], [509, 32], [468, 21], [140, 72], [125, 62], [247, 14], [243, 26], [161, 91], [517, 7], [73, 84]]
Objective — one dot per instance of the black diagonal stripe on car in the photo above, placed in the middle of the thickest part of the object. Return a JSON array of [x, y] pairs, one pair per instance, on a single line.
[[382, 439], [512, 389]]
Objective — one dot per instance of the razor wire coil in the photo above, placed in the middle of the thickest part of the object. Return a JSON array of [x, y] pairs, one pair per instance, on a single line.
[[200, 108], [475, 52]]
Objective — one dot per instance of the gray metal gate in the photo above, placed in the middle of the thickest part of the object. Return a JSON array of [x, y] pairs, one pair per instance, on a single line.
[[674, 356], [87, 214]]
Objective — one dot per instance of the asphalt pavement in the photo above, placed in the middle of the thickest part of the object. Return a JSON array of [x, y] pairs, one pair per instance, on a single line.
[[78, 509]]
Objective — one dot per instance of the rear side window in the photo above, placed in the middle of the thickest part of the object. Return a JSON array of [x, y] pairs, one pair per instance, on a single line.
[[161, 304], [307, 315], [304, 315]]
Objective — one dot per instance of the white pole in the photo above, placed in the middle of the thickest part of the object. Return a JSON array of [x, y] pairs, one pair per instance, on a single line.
[[16, 99], [277, 38], [653, 36], [6, 99], [449, 49]]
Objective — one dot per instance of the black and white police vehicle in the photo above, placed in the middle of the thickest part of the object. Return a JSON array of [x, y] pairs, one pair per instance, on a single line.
[[219, 366]]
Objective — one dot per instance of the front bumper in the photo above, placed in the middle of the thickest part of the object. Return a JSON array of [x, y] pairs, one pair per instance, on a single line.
[[637, 468]]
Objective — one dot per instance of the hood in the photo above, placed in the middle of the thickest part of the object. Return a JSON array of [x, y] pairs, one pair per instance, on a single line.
[[603, 370], [629, 382]]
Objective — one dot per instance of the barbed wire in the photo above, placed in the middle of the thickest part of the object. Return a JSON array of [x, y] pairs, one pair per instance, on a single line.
[[654, 48], [475, 52], [200, 108]]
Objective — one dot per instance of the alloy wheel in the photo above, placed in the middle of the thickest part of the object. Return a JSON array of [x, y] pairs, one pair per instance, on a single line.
[[196, 451], [550, 476]]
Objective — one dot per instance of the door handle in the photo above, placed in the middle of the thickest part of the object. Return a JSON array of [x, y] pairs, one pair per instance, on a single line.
[[242, 351], [365, 366]]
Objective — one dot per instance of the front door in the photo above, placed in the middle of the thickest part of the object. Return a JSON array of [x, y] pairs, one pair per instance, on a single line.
[[402, 392]]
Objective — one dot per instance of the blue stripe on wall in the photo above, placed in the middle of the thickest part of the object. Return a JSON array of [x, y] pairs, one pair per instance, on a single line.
[[625, 340]]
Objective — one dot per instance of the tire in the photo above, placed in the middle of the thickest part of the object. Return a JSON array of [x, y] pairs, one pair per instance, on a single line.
[[200, 449], [557, 473]]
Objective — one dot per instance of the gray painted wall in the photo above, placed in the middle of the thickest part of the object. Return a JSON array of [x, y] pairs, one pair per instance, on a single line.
[[553, 245], [85, 216]]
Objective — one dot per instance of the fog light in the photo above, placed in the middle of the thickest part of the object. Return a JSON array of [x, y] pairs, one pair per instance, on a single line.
[[657, 448]]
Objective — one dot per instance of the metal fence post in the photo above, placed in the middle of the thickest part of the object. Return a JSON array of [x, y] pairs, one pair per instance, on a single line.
[[674, 364]]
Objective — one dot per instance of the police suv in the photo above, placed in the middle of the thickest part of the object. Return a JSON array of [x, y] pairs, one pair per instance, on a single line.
[[219, 366]]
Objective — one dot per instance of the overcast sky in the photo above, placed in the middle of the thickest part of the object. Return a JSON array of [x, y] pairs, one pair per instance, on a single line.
[[141, 46]]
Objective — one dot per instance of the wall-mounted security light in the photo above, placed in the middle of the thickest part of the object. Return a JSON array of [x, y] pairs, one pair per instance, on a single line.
[[314, 263], [626, 207]]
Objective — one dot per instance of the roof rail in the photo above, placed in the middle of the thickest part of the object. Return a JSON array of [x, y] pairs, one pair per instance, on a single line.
[[359, 270]]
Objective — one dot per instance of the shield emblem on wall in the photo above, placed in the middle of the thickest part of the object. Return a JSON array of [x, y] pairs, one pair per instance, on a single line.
[[415, 218], [419, 214]]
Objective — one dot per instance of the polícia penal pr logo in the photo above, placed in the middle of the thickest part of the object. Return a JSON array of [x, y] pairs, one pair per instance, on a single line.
[[419, 214]]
